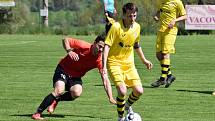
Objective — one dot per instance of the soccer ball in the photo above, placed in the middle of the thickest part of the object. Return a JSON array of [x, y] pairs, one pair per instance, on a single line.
[[133, 117]]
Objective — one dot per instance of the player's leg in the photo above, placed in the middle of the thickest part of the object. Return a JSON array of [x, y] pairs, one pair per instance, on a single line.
[[166, 76], [168, 49], [120, 99], [164, 71], [159, 56], [59, 87], [75, 90], [137, 91], [58, 91], [116, 76], [132, 80], [164, 63], [49, 99], [170, 78], [164, 46]]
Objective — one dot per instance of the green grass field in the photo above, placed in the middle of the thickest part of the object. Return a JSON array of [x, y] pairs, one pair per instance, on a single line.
[[27, 63]]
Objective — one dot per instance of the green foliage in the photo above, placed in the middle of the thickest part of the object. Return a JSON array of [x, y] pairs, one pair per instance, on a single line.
[[82, 15]]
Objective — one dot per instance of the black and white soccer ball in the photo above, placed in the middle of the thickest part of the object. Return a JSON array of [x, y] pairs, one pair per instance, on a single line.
[[133, 117]]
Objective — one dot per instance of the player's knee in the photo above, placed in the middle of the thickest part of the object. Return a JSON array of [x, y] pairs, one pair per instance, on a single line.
[[76, 93], [57, 92], [122, 90], [159, 56], [138, 91]]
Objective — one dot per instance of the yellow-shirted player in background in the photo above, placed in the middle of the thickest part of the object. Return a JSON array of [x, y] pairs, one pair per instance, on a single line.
[[169, 13], [122, 39]]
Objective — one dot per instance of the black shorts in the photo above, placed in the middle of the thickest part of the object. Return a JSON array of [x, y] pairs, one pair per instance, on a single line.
[[68, 80]]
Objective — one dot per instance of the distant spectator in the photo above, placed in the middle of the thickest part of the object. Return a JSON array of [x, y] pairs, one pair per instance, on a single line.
[[110, 13]]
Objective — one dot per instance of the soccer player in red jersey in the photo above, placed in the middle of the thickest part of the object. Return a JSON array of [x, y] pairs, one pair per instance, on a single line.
[[81, 57]]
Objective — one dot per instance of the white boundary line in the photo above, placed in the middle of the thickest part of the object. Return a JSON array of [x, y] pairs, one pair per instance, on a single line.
[[18, 43]]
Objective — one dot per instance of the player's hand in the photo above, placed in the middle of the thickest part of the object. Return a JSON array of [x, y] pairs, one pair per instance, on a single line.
[[156, 18], [106, 14], [112, 101], [104, 71], [171, 24], [74, 56], [148, 64]]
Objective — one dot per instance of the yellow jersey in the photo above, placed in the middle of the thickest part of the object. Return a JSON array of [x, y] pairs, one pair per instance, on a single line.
[[170, 10], [121, 41]]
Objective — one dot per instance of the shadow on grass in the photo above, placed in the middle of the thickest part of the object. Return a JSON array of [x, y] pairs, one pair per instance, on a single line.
[[145, 86], [100, 85], [56, 115], [148, 86], [203, 92]]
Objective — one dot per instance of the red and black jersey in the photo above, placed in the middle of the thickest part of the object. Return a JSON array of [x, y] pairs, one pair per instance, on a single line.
[[86, 62]]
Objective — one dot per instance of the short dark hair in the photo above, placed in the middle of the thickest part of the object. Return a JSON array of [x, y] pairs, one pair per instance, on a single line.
[[100, 37], [129, 6]]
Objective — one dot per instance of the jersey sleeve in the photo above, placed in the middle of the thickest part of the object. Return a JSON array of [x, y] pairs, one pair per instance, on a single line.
[[111, 36], [137, 33], [76, 44], [181, 9]]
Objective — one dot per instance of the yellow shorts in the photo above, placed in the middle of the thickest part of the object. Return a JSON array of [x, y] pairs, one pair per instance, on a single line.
[[124, 74], [165, 42]]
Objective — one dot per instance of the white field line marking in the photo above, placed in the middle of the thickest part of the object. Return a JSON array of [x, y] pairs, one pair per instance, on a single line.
[[18, 43]]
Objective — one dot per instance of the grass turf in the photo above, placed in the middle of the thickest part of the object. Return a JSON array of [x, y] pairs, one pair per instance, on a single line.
[[27, 63]]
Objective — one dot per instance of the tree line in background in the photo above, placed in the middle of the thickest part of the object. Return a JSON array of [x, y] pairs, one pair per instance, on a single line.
[[80, 17]]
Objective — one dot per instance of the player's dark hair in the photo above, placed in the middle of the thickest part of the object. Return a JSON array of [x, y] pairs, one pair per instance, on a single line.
[[129, 6], [100, 37]]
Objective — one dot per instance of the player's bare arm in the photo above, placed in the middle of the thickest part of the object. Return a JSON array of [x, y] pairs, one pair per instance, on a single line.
[[108, 88], [74, 56], [172, 23], [143, 58], [104, 59]]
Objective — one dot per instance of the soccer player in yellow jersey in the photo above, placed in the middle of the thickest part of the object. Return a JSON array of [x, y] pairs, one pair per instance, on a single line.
[[169, 13], [118, 57]]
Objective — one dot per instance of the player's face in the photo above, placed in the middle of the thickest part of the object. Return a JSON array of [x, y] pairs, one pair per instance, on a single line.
[[130, 17], [98, 47]]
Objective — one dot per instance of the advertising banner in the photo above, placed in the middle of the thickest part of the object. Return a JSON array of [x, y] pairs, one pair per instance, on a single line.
[[6, 3], [200, 17]]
